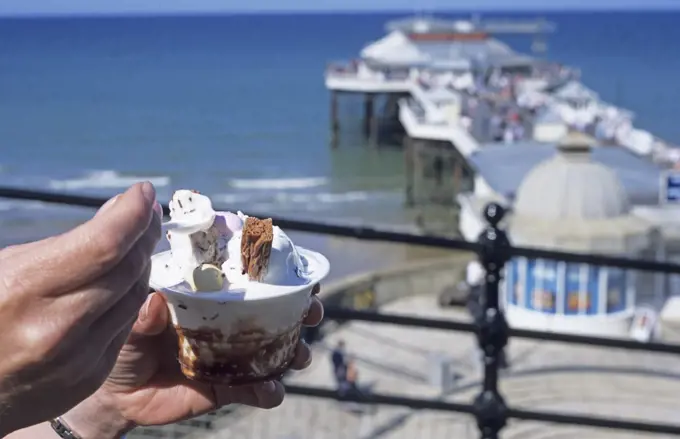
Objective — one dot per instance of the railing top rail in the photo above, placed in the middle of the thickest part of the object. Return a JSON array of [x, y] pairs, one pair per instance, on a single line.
[[358, 232], [333, 313], [526, 415], [372, 234]]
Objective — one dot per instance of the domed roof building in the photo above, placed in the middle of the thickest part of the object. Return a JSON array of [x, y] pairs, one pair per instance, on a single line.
[[573, 203], [570, 202], [571, 185]]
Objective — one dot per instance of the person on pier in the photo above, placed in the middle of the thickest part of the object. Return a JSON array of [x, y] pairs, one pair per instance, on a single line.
[[339, 363]]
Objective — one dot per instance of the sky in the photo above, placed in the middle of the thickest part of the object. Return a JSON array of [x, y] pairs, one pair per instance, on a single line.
[[68, 7]]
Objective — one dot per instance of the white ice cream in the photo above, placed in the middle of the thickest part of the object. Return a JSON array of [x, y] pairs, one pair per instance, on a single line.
[[220, 245], [207, 246]]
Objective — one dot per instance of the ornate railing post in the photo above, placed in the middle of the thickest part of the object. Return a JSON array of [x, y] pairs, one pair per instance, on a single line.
[[492, 329]]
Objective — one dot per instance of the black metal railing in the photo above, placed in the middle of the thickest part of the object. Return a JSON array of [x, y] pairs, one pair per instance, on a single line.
[[492, 331]]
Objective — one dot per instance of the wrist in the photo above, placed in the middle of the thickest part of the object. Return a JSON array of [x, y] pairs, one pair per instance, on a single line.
[[97, 418]]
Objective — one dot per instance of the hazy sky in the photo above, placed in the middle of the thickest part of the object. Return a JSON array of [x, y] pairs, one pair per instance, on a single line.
[[21, 7]]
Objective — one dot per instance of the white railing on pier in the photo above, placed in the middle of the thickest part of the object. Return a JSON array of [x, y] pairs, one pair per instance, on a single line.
[[363, 84], [431, 121], [362, 79], [613, 124], [434, 115], [419, 123]]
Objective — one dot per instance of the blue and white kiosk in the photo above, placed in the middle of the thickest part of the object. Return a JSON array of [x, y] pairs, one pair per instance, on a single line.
[[571, 203]]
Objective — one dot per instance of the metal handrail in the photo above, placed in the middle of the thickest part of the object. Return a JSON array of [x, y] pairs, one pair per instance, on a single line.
[[494, 250], [372, 234], [344, 314], [519, 414]]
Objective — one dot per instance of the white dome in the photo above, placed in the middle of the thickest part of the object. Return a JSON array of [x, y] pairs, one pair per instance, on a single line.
[[571, 186]]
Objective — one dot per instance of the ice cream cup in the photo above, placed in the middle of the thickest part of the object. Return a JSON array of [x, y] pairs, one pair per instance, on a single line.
[[239, 335]]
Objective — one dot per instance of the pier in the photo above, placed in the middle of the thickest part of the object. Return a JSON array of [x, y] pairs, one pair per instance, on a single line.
[[456, 88]]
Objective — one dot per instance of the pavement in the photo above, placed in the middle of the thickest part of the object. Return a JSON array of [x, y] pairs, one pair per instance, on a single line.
[[543, 376]]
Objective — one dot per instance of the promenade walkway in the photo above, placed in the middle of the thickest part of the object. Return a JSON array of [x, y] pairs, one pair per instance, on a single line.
[[397, 360]]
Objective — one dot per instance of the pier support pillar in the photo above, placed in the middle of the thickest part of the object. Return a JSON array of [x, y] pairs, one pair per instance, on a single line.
[[435, 174], [457, 177], [373, 131], [368, 113], [334, 121], [409, 157], [417, 148], [370, 120]]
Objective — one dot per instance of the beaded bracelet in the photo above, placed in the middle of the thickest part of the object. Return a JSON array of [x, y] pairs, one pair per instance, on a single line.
[[64, 431]]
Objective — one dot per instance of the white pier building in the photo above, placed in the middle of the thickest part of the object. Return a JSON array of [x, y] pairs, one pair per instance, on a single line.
[[584, 198]]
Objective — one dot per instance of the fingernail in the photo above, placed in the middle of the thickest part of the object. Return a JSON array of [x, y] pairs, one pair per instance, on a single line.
[[158, 209], [144, 312], [149, 191], [269, 387]]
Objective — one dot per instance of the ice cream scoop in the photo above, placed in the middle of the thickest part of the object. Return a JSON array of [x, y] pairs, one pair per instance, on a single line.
[[190, 212], [285, 263]]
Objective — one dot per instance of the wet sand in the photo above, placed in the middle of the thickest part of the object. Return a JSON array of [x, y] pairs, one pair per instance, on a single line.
[[398, 360]]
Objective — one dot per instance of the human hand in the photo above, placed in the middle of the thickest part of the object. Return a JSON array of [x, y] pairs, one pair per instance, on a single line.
[[146, 387], [67, 305]]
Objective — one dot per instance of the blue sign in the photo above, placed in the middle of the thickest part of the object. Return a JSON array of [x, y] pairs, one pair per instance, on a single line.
[[671, 187], [542, 286], [538, 285]]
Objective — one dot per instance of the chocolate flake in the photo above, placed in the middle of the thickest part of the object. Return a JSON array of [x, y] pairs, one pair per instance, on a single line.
[[256, 247]]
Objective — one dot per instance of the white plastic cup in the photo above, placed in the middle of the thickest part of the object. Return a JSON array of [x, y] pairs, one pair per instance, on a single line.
[[237, 336]]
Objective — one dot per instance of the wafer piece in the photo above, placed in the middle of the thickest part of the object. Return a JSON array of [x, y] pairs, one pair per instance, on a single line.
[[256, 247]]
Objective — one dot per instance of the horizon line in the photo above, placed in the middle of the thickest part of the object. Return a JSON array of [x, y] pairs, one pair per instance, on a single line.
[[409, 12]]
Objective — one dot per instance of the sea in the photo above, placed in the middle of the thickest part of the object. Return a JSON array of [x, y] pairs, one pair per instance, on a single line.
[[235, 106]]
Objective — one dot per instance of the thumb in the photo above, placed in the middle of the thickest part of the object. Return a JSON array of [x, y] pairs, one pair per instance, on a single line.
[[153, 317], [92, 249]]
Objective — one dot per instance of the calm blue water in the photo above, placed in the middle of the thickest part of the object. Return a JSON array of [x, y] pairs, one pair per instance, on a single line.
[[236, 107]]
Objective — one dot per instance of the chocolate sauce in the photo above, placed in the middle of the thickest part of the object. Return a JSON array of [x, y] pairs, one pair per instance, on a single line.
[[244, 357]]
